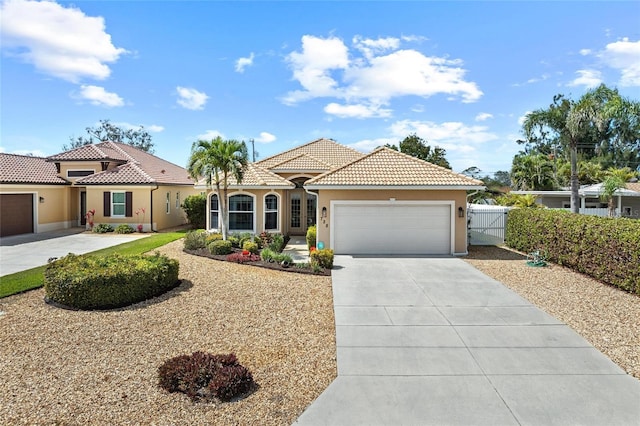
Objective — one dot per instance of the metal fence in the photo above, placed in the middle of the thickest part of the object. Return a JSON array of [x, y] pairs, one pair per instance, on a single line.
[[487, 224]]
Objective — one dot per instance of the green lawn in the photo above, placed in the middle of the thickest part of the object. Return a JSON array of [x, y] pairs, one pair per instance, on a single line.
[[32, 278]]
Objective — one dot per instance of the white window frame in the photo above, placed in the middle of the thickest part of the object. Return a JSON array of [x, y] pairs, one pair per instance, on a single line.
[[211, 210], [123, 204], [277, 211], [168, 203], [253, 212]]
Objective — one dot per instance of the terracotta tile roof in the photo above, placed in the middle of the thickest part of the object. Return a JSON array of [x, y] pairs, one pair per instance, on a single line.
[[324, 150], [302, 162], [255, 177], [26, 169], [139, 166], [385, 167], [633, 186]]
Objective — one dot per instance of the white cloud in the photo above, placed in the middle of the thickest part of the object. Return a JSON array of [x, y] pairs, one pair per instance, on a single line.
[[97, 95], [356, 111], [453, 136], [368, 145], [58, 41], [585, 52], [523, 117], [265, 137], [153, 128], [587, 78], [32, 153], [624, 55], [209, 135], [483, 116], [325, 68], [191, 98], [242, 63]]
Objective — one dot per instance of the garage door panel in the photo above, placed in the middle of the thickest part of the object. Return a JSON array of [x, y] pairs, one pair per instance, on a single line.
[[392, 229], [16, 214]]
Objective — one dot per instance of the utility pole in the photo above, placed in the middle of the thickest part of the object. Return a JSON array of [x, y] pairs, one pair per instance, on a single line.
[[253, 150]]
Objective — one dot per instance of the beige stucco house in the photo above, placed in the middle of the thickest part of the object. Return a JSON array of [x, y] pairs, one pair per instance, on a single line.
[[122, 184], [384, 202]]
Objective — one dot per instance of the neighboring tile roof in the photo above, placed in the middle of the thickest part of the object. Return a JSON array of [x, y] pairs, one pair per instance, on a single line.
[[385, 167], [26, 169], [633, 186], [139, 166], [302, 162], [324, 150], [256, 176]]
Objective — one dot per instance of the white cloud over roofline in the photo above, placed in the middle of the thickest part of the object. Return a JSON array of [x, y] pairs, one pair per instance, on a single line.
[[98, 96], [190, 98], [624, 55], [59, 41], [587, 78], [265, 137], [373, 72]]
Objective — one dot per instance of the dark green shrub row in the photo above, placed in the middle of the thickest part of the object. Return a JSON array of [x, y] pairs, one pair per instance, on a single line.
[[204, 376], [607, 249], [112, 281]]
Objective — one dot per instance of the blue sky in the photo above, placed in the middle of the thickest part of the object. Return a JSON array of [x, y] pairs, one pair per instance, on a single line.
[[461, 75]]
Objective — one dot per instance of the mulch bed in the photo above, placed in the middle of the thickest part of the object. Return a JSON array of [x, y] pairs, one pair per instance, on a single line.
[[260, 263]]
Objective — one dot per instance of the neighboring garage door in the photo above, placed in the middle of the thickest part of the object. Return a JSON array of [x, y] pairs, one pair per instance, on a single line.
[[394, 228], [16, 214]]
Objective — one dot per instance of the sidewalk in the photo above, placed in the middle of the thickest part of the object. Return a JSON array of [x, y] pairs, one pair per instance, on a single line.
[[297, 249], [433, 341]]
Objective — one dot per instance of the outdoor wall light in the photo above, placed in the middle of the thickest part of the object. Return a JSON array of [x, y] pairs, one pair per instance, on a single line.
[[324, 212], [41, 199], [460, 212]]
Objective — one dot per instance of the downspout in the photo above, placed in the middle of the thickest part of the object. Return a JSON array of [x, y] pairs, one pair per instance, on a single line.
[[151, 208], [466, 227], [317, 210]]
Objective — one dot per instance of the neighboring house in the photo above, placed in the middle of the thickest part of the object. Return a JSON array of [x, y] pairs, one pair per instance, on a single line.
[[627, 200], [384, 202], [121, 183]]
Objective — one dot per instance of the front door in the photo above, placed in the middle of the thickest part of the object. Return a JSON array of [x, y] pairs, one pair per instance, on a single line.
[[83, 208], [302, 211]]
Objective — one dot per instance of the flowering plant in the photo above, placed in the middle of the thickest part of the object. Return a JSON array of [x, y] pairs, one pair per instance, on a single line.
[[140, 210], [89, 216], [245, 252]]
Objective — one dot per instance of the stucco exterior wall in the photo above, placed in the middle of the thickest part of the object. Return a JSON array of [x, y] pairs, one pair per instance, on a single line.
[[459, 198], [173, 216]]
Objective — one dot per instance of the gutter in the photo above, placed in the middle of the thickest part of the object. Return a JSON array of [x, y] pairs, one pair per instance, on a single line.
[[151, 207]]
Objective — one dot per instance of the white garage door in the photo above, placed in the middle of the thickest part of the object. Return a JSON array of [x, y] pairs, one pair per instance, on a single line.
[[395, 228]]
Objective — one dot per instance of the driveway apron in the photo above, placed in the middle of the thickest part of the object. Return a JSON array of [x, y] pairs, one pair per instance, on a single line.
[[433, 341]]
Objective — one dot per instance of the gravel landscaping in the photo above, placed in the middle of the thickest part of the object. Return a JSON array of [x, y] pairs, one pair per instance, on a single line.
[[77, 367], [609, 318]]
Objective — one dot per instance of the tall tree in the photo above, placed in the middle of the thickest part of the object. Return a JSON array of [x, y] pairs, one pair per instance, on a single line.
[[107, 131], [419, 148], [216, 161], [532, 172], [609, 188]]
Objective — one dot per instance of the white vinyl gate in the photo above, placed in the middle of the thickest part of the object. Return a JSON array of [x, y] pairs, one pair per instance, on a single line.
[[487, 225]]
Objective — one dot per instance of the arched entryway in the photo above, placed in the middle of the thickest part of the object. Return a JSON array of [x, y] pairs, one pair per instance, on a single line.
[[302, 208]]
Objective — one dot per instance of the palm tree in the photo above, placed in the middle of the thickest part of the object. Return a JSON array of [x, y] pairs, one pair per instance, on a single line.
[[532, 172], [216, 161], [609, 187]]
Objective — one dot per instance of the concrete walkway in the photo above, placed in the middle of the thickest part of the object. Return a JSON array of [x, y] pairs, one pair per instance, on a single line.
[[22, 252], [297, 249], [433, 341]]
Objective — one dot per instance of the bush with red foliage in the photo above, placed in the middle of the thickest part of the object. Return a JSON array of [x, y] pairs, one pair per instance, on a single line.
[[203, 376], [243, 258]]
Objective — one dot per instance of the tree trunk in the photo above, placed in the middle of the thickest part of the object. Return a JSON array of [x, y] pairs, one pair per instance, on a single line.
[[575, 184], [612, 207], [225, 208]]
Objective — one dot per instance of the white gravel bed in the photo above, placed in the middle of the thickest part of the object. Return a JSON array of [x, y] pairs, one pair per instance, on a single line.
[[75, 367], [609, 318]]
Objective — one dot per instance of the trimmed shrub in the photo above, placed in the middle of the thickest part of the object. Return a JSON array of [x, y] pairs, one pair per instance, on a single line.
[[242, 258], [283, 258], [212, 237], [102, 228], [323, 258], [124, 229], [195, 207], [235, 241], [607, 249], [311, 236], [277, 243], [265, 239], [194, 240], [251, 247], [205, 377], [112, 281], [220, 247]]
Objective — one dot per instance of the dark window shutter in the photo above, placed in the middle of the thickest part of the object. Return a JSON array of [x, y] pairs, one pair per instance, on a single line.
[[106, 196], [128, 204]]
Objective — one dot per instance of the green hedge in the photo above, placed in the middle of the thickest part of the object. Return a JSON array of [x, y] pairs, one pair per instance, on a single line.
[[112, 281], [607, 249]]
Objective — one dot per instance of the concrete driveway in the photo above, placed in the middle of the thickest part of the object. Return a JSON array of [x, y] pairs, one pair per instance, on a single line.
[[22, 252], [433, 341]]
